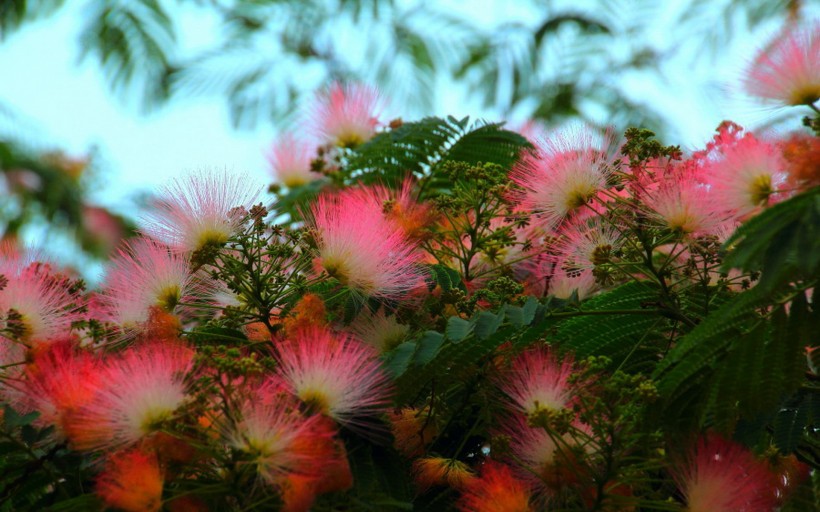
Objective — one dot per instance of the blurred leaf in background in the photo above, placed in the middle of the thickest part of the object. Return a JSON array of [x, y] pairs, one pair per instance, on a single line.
[[559, 61]]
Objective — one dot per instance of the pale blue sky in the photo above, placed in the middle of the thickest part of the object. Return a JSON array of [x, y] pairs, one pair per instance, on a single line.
[[70, 107]]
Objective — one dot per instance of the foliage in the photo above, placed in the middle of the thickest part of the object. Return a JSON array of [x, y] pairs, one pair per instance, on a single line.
[[264, 53]]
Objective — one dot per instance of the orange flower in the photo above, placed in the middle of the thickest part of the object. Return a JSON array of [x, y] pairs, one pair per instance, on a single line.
[[411, 430], [432, 471], [497, 490], [131, 481], [309, 311]]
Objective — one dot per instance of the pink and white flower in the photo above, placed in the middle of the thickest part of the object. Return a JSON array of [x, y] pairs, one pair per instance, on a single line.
[[538, 380], [745, 175], [200, 210], [290, 160], [136, 391], [347, 115], [788, 70], [45, 307], [566, 174], [279, 439], [723, 476], [145, 275], [334, 374], [364, 250]]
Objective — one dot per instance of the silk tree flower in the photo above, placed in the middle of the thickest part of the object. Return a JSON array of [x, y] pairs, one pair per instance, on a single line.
[[398, 205], [538, 380], [723, 476], [334, 374], [438, 471], [567, 173], [201, 210], [565, 280], [788, 70], [131, 481], [496, 490], [362, 249], [545, 462], [137, 390], [685, 205], [587, 243], [346, 115], [146, 275], [279, 439], [59, 380], [290, 160], [35, 301], [379, 330], [746, 175]]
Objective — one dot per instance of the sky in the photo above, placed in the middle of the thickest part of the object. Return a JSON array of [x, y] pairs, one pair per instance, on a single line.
[[66, 102]]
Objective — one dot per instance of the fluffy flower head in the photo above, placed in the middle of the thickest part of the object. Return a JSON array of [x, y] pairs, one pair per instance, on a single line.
[[788, 71], [334, 374], [145, 275], [683, 204], [43, 307], [362, 249], [290, 160], [131, 481], [746, 175], [137, 390], [347, 115], [200, 210], [496, 490], [279, 439], [538, 380], [722, 476], [59, 381], [567, 173]]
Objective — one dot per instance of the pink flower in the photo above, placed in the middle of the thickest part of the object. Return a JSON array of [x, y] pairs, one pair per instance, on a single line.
[[58, 381], [565, 175], [547, 461], [723, 476], [290, 160], [201, 210], [334, 374], [788, 70], [347, 115], [279, 439], [136, 391], [683, 204], [745, 175], [145, 275], [364, 250], [566, 279], [538, 380], [399, 206], [41, 299], [586, 243]]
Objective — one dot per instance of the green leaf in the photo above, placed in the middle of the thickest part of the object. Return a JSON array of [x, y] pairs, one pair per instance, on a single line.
[[458, 328], [399, 358], [782, 242], [428, 346], [217, 335], [486, 324], [617, 336], [446, 277]]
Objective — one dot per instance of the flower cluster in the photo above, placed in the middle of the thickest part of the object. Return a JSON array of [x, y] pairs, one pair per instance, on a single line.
[[475, 322]]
